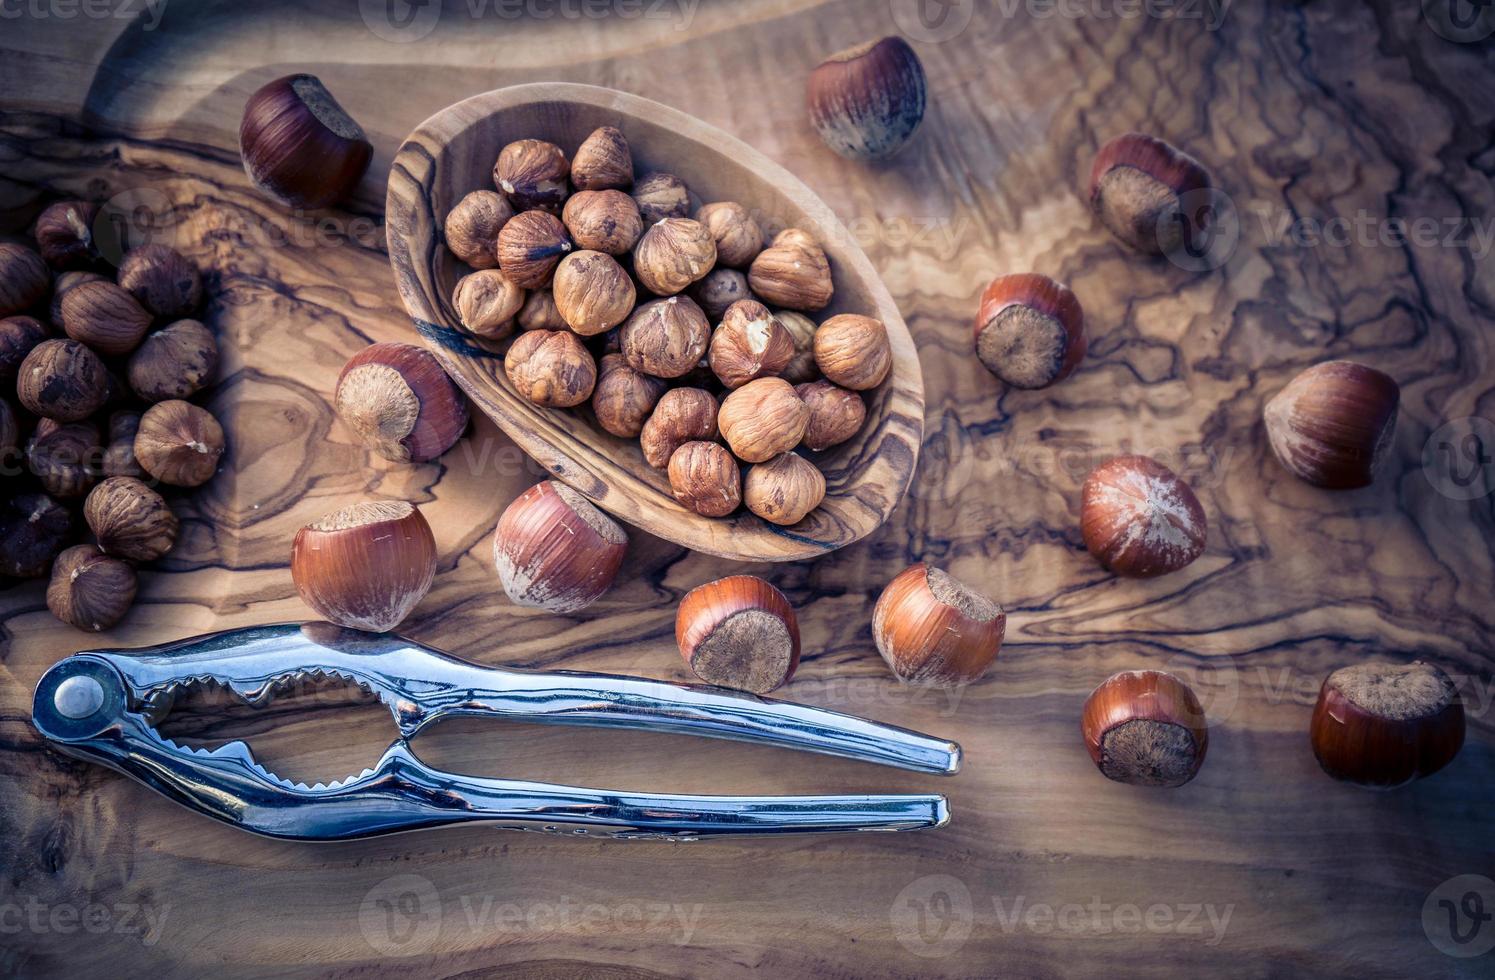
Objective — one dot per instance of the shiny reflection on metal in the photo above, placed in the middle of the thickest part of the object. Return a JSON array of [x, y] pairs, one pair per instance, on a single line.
[[421, 686]]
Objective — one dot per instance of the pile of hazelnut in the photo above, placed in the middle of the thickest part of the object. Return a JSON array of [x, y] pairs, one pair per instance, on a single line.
[[689, 334], [103, 362]]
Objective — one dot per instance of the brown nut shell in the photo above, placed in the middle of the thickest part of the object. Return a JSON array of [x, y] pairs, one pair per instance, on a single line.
[[1139, 519], [836, 414], [603, 221], [801, 368], [762, 419], [90, 590], [65, 457], [1384, 725], [705, 478], [867, 101], [539, 312], [792, 272], [176, 361], [592, 292], [33, 529], [853, 351], [718, 290], [300, 146], [603, 161], [130, 520], [623, 398], [162, 280], [64, 235], [65, 284], [400, 402], [672, 254], [932, 629], [1333, 424], [179, 443], [1136, 186], [552, 368], [1146, 728], [105, 317], [555, 550], [666, 337], [750, 343], [119, 454], [19, 335], [365, 566], [487, 301], [784, 489], [530, 246], [661, 196], [682, 415], [62, 380], [1030, 330], [24, 279], [738, 632], [471, 228], [532, 174], [738, 236]]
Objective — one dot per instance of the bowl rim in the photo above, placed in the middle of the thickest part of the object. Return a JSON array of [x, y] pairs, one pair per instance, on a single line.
[[899, 431]]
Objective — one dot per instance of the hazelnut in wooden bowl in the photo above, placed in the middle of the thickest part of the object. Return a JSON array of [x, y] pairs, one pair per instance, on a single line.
[[453, 154]]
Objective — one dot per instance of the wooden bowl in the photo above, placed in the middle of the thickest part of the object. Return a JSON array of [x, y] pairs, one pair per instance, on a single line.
[[452, 153]]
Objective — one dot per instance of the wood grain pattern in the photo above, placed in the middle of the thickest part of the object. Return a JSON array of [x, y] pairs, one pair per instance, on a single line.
[[452, 153], [1312, 111]]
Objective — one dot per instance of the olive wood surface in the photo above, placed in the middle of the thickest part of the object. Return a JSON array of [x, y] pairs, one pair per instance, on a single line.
[[1309, 110]]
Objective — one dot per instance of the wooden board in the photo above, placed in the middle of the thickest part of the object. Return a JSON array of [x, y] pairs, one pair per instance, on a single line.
[[1309, 111]]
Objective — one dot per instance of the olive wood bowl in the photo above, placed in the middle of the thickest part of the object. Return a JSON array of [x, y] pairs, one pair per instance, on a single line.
[[453, 152]]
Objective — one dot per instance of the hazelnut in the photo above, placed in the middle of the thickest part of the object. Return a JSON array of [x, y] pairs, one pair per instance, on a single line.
[[932, 629], [555, 550], [179, 443], [682, 415], [162, 280], [1136, 185], [1030, 330], [661, 196], [801, 368], [1385, 725], [486, 302], [105, 317], [90, 590], [603, 161], [400, 402], [665, 337], [853, 351], [1139, 519], [174, 362], [130, 520], [64, 235], [365, 566], [119, 455], [866, 101], [62, 287], [719, 289], [1146, 728], [530, 246], [738, 632], [793, 271], [835, 414], [472, 228], [784, 489], [532, 174], [551, 367], [62, 380], [750, 343], [624, 398], [18, 335], [65, 457], [592, 292], [672, 254], [299, 145], [33, 529], [736, 232], [1332, 425], [604, 221], [539, 312], [24, 279], [762, 419], [704, 477]]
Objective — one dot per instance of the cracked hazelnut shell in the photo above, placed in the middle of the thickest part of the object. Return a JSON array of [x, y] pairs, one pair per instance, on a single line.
[[738, 632], [592, 292], [555, 550], [532, 174], [762, 419], [1146, 728], [1136, 186], [530, 246], [179, 443], [1139, 519], [471, 228], [672, 254], [400, 402], [1333, 424], [682, 415], [705, 478], [603, 221], [1385, 725], [24, 279], [104, 316], [1030, 330], [62, 380], [551, 368], [749, 343], [365, 566], [665, 337], [603, 161], [784, 489], [932, 629], [130, 520], [300, 146], [867, 101], [161, 280], [176, 361], [853, 351], [90, 590]]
